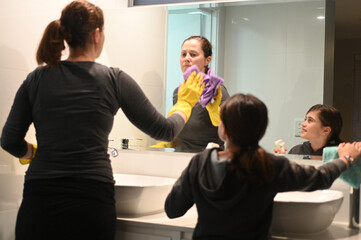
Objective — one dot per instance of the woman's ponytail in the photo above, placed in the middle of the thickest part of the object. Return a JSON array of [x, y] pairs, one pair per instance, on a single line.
[[51, 45]]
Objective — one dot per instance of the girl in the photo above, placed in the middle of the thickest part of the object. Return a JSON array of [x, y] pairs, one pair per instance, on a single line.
[[234, 189], [321, 128]]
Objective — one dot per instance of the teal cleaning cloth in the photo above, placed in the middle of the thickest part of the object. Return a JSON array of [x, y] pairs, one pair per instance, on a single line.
[[352, 176]]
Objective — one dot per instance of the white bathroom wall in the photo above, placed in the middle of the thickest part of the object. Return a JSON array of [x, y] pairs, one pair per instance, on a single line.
[[129, 33], [276, 52]]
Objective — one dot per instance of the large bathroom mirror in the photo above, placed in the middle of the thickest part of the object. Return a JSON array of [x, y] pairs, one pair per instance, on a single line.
[[274, 50]]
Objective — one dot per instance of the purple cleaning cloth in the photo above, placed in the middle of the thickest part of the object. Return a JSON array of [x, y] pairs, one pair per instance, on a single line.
[[210, 88], [191, 69], [211, 81]]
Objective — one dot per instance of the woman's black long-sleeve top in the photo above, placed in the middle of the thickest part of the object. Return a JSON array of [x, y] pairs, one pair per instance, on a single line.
[[72, 107]]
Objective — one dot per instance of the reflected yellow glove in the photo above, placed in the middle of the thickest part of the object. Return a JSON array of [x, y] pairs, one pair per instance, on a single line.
[[25, 161], [214, 107], [188, 94], [163, 145]]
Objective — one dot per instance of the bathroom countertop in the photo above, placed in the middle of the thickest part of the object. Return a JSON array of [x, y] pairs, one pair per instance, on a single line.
[[186, 223], [337, 230]]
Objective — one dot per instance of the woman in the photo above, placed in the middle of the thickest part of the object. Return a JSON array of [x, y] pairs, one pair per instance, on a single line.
[[233, 189], [69, 186], [322, 127], [203, 123]]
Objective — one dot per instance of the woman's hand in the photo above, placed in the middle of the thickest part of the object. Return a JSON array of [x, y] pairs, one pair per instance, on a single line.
[[191, 90], [188, 94], [214, 107], [30, 154]]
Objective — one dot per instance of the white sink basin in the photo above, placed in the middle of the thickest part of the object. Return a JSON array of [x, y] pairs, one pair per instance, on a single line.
[[304, 212], [138, 195]]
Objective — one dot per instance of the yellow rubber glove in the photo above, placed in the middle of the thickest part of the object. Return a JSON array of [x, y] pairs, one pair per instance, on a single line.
[[25, 161], [188, 94], [163, 145], [214, 107]]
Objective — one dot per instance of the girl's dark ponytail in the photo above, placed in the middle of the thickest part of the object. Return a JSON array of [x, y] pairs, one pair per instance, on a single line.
[[253, 164], [51, 45]]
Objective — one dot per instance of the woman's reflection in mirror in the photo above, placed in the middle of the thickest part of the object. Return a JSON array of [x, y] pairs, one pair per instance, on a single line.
[[202, 126]]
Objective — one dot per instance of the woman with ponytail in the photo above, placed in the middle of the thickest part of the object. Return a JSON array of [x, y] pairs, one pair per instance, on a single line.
[[196, 51], [233, 189], [69, 186]]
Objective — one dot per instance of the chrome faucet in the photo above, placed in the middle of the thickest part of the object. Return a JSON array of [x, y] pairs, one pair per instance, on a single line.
[[113, 152]]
